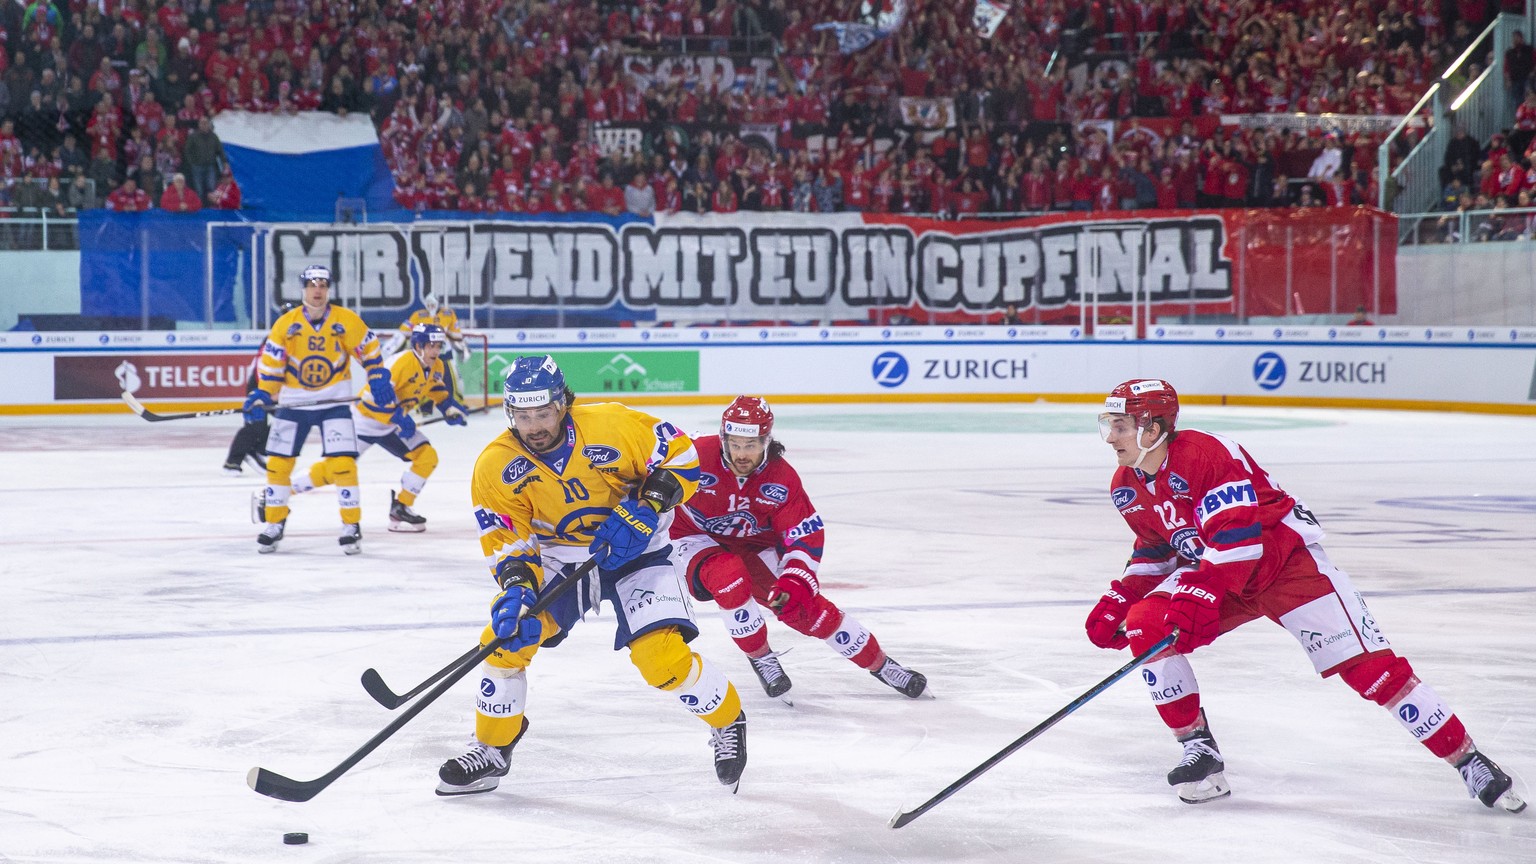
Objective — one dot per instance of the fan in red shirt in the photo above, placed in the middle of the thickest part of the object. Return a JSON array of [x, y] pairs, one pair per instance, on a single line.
[[226, 195], [129, 198], [751, 537], [178, 197]]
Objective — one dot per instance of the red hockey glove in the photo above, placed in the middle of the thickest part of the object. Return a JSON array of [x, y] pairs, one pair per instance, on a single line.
[[1195, 609], [1104, 621], [792, 593]]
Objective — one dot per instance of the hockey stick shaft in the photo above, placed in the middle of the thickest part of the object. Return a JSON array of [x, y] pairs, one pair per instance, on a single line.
[[373, 682], [440, 418], [903, 817], [275, 785], [138, 408]]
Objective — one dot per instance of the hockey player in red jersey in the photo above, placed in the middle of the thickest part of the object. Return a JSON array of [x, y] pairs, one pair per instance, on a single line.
[[751, 537], [1219, 544]]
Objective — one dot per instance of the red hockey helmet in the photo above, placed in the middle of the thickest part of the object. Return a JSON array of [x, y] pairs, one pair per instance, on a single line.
[[1143, 399], [748, 417]]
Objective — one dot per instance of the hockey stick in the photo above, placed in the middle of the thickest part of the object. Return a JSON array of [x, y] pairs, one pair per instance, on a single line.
[[275, 785], [374, 683], [902, 817], [138, 408], [440, 418]]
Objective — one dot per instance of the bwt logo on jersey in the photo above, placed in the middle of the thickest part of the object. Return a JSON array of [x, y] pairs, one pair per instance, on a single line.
[[487, 520], [775, 492], [889, 369], [600, 454], [1269, 370], [808, 526], [1224, 497], [1122, 496], [516, 470]]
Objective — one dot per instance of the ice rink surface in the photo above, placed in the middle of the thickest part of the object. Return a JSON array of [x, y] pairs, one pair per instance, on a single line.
[[149, 658]]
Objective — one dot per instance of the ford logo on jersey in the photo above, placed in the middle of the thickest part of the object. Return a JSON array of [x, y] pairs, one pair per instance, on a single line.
[[1178, 484], [1122, 496], [516, 470], [600, 454], [707, 480], [775, 492]]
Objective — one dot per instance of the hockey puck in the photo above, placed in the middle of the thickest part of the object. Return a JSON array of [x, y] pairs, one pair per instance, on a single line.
[[295, 838]]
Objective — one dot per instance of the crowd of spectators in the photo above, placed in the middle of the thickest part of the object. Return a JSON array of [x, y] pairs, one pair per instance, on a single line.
[[497, 105]]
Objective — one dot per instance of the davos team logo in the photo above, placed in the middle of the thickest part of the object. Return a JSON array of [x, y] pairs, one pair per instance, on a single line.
[[1122, 496], [707, 480], [890, 369], [1178, 484], [775, 492], [1150, 677], [600, 454], [516, 470], [1269, 370]]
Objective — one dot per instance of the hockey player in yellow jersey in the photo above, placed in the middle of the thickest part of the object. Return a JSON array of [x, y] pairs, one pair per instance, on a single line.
[[418, 378], [561, 484], [304, 377], [434, 312]]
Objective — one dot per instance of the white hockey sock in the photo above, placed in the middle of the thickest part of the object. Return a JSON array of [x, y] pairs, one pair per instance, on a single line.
[[412, 482], [849, 638], [302, 485], [1169, 679], [348, 498], [276, 496], [745, 620], [503, 692], [1421, 711], [704, 688]]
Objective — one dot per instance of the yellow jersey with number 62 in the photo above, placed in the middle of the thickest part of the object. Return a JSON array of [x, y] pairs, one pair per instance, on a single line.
[[309, 361], [525, 501]]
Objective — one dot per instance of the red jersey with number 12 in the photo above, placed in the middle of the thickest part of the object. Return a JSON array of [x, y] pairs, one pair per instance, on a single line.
[[766, 510]]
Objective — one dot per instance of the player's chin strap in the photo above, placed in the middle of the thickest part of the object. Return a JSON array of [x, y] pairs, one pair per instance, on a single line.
[[1145, 450]]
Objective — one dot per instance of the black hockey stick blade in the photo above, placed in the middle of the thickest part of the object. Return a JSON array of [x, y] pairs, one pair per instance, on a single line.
[[373, 682], [275, 785], [903, 817], [138, 408]]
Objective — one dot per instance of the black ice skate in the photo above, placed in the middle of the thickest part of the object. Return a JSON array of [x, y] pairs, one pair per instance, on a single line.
[[232, 469], [771, 673], [730, 746], [1198, 775], [350, 539], [269, 537], [1488, 783], [403, 518], [903, 680], [479, 770], [259, 506]]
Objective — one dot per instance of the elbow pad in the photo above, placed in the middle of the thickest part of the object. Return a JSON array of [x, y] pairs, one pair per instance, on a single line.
[[511, 572], [662, 490]]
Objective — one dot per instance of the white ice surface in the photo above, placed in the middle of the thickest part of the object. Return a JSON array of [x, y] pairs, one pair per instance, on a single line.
[[149, 658]]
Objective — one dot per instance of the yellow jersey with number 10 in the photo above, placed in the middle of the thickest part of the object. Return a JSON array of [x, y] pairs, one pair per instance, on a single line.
[[525, 501]]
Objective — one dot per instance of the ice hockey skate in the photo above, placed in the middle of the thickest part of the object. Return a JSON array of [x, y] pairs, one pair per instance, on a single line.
[[478, 770], [1488, 783], [1199, 775], [269, 537], [730, 746], [903, 680], [259, 506], [403, 519], [770, 672], [351, 538]]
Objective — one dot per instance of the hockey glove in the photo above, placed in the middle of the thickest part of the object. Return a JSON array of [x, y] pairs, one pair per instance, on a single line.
[[1195, 609], [381, 388], [516, 633], [1104, 621], [792, 594], [453, 412], [405, 424], [624, 534], [257, 404]]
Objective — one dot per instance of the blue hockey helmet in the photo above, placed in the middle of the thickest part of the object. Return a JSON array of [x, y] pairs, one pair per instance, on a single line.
[[423, 335], [533, 382], [316, 271]]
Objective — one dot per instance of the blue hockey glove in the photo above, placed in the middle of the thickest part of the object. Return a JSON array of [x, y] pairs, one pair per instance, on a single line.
[[404, 423], [453, 413], [515, 634], [381, 388], [257, 404], [624, 534]]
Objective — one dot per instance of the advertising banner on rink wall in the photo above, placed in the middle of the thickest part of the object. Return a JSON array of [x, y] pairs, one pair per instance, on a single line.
[[1480, 369]]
